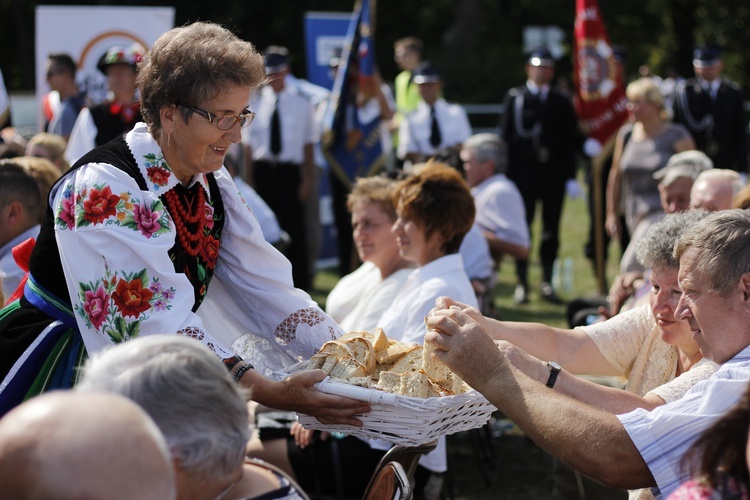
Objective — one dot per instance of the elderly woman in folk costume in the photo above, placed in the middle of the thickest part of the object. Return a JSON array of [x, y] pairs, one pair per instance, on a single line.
[[138, 228]]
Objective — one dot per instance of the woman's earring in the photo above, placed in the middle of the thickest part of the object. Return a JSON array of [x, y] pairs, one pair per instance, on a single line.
[[169, 139]]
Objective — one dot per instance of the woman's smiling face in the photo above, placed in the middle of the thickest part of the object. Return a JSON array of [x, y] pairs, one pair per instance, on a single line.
[[196, 145], [413, 243]]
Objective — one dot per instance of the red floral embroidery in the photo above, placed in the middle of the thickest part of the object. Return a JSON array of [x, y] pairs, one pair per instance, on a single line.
[[100, 205], [192, 332], [158, 175], [286, 331], [210, 250], [131, 298]]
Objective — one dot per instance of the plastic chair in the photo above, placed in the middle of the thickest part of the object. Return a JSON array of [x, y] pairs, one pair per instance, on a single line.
[[390, 483]]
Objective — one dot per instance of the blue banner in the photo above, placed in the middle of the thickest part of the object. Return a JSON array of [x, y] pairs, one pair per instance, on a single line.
[[325, 32], [351, 139]]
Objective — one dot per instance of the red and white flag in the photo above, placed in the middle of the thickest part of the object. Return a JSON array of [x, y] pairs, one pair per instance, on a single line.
[[600, 89]]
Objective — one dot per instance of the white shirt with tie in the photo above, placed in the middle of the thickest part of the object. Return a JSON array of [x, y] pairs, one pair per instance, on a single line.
[[297, 125], [414, 132]]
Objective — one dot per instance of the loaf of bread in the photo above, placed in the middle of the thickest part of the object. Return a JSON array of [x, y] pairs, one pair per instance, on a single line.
[[370, 359]]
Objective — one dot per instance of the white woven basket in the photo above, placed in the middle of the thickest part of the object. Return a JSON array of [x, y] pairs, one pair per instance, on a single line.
[[404, 420]]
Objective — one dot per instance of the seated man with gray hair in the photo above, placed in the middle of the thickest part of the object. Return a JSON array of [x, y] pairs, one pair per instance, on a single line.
[[500, 210], [74, 445], [202, 412], [641, 448], [677, 177]]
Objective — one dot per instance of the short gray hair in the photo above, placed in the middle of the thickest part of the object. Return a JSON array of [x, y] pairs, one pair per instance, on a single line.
[[722, 241], [490, 147], [188, 393], [655, 249]]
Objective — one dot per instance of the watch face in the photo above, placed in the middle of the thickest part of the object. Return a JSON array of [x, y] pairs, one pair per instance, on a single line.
[[554, 365]]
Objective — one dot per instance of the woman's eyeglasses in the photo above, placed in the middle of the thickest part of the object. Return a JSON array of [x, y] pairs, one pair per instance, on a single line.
[[225, 122]]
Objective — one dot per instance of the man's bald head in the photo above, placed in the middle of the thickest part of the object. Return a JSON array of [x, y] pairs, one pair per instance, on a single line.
[[714, 189], [81, 446]]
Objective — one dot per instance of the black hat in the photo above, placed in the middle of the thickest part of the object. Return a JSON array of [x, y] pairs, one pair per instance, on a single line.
[[706, 56], [426, 72], [276, 59], [541, 57]]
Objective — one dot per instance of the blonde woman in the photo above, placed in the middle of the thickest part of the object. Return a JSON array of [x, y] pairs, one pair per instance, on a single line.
[[643, 146]]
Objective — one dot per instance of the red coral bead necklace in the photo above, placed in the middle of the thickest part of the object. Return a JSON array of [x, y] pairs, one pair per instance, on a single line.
[[189, 240]]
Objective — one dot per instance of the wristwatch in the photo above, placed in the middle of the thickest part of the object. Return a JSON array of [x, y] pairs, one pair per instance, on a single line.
[[554, 369]]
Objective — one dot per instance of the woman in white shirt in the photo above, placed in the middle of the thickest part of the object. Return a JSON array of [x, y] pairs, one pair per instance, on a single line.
[[359, 299]]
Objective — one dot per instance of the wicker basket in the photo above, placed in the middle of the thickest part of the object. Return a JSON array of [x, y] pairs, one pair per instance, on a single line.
[[401, 419]]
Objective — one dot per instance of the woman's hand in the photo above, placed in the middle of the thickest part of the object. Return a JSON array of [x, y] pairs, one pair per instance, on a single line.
[[446, 303], [296, 393], [612, 225]]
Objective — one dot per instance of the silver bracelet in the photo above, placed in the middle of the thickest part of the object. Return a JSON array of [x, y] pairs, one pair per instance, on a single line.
[[241, 371]]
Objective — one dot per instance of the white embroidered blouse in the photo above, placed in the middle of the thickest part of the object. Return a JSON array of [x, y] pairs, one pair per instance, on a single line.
[[114, 241]]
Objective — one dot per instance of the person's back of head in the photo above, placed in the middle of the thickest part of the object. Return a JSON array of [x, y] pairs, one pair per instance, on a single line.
[[81, 446], [742, 198], [45, 173], [715, 189], [188, 392], [20, 200], [50, 147]]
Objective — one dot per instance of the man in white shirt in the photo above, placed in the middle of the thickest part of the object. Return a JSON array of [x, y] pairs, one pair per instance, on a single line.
[[435, 127], [641, 448], [279, 157], [500, 211]]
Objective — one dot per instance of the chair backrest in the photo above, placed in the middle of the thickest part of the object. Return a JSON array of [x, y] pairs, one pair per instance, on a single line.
[[390, 483], [402, 462], [407, 456]]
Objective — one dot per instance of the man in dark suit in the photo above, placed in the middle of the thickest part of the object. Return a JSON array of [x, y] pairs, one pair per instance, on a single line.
[[539, 126], [712, 109]]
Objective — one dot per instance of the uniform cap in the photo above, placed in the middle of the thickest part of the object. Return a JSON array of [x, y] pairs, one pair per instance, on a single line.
[[426, 72], [706, 56], [541, 57], [276, 59]]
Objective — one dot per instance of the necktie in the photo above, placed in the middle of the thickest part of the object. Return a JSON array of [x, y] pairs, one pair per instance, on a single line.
[[275, 130], [435, 136]]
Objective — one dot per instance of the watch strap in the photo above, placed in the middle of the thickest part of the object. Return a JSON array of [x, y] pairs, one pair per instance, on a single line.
[[554, 371]]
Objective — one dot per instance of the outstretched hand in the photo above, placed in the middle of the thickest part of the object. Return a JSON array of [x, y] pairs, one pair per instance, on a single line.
[[463, 344]]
